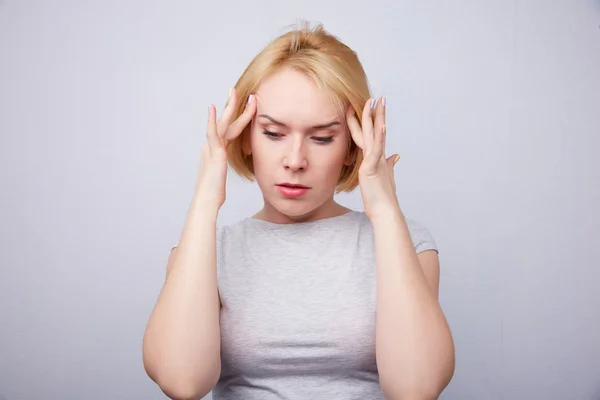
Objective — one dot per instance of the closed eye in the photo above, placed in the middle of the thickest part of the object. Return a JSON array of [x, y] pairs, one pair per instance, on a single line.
[[323, 140], [319, 140], [271, 135]]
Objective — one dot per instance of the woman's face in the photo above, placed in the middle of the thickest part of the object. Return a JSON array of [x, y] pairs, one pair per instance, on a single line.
[[299, 143]]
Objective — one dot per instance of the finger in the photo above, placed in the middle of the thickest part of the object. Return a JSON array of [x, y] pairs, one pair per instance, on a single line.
[[392, 160], [243, 120], [354, 127], [379, 130], [211, 128], [367, 126], [225, 119]]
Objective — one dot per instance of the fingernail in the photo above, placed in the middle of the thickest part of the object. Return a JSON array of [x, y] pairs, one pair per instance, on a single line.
[[373, 103], [383, 129], [383, 102], [250, 99], [229, 95], [396, 159]]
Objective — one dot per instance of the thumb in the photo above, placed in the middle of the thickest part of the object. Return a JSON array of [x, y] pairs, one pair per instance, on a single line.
[[392, 160]]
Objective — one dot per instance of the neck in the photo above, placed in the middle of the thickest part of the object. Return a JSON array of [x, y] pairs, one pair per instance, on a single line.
[[328, 209]]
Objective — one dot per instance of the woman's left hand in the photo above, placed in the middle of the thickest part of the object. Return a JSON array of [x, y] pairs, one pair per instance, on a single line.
[[376, 173]]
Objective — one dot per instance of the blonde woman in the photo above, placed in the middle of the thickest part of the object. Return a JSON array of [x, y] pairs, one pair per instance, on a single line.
[[306, 299]]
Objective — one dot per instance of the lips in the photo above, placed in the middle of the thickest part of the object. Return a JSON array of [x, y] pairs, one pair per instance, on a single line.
[[292, 190], [293, 185]]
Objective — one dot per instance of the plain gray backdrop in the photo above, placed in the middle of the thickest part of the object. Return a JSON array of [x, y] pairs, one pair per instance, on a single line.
[[493, 105]]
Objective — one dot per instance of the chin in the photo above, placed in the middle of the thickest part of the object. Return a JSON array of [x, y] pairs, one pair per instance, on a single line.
[[293, 208]]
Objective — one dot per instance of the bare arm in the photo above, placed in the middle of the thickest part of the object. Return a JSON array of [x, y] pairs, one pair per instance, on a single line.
[[182, 342], [181, 347], [413, 344], [415, 350]]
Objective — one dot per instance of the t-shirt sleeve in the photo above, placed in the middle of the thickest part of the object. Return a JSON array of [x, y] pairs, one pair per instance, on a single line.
[[421, 237]]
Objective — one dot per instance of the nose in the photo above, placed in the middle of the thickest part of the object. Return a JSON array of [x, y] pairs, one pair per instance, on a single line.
[[295, 157]]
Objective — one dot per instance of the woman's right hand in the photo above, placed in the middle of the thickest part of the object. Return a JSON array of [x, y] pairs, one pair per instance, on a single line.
[[210, 187]]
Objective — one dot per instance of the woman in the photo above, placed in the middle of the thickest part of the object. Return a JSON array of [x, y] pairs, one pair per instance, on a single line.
[[306, 299]]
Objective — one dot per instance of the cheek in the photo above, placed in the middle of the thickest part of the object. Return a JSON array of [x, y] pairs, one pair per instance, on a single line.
[[263, 153], [329, 158], [340, 148]]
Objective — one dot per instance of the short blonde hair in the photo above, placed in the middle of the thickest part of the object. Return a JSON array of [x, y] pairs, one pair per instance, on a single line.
[[330, 63]]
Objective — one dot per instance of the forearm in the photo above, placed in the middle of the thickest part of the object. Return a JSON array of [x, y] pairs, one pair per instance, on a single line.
[[414, 347], [182, 341]]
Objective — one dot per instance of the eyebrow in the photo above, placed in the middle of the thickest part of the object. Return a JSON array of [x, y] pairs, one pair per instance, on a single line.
[[322, 126]]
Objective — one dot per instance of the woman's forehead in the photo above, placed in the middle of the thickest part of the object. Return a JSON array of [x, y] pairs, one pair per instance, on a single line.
[[289, 92], [290, 109]]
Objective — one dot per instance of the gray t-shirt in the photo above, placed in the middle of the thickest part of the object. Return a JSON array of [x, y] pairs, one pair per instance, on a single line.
[[298, 309]]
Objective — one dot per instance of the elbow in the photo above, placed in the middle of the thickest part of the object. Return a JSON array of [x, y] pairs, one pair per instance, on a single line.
[[181, 390], [423, 387], [409, 393], [421, 392], [185, 387], [182, 383]]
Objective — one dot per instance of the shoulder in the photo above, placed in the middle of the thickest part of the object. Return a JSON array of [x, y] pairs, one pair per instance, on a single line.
[[231, 231], [225, 232], [420, 234]]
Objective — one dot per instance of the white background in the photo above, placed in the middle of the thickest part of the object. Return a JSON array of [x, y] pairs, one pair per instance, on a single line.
[[494, 106]]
